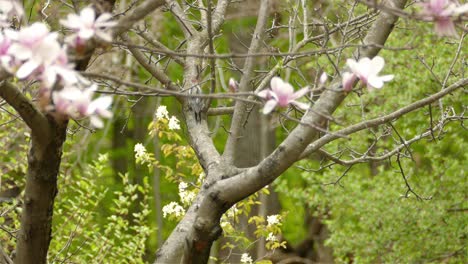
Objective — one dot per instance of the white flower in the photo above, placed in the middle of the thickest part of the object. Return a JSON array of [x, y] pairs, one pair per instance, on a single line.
[[186, 197], [232, 212], [271, 237], [245, 258], [87, 26], [140, 150], [174, 123], [273, 220], [161, 112], [173, 208], [367, 71]]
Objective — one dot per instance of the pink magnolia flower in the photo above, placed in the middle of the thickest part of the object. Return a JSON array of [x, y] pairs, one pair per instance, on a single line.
[[8, 10], [74, 102], [60, 69], [442, 12], [33, 47], [367, 71], [281, 94], [348, 81], [87, 26]]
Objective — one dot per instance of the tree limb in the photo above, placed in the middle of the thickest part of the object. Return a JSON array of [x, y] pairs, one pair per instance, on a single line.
[[135, 15], [383, 119], [34, 118], [240, 109]]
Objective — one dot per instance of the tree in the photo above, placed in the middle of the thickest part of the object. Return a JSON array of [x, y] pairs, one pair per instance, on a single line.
[[310, 121]]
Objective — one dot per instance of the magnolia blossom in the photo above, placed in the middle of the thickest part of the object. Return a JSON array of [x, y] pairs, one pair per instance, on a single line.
[[281, 94], [233, 85], [442, 12], [348, 81], [33, 47], [59, 69], [367, 71], [86, 26], [74, 102], [8, 10]]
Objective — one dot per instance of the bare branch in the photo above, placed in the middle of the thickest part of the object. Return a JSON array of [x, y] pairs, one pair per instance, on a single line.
[[384, 119], [240, 108], [290, 150], [35, 120], [152, 69], [135, 15]]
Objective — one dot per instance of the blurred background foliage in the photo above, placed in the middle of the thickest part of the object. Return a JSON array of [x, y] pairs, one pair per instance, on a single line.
[[109, 209]]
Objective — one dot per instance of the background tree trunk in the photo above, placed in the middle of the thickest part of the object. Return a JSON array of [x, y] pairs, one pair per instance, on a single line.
[[44, 159]]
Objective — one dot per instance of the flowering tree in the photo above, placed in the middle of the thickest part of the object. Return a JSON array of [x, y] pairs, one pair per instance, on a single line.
[[35, 54]]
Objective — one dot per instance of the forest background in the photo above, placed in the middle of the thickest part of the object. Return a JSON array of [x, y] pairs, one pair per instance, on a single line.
[[114, 199]]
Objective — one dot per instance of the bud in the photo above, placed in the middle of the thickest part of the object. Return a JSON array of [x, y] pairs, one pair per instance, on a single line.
[[323, 78], [233, 85]]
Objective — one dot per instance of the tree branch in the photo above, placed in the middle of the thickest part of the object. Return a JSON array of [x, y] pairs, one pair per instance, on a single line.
[[137, 14], [383, 119], [240, 109], [35, 120], [289, 151]]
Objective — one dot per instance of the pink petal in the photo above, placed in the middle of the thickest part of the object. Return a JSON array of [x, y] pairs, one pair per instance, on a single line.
[[299, 93], [445, 27], [348, 81], [104, 36], [266, 93], [300, 105], [96, 122], [376, 65], [269, 106]]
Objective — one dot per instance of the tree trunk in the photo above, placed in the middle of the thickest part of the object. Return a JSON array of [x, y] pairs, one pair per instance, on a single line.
[[41, 188]]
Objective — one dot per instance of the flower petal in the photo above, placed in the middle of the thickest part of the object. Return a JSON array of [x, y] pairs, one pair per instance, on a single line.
[[26, 69], [269, 106], [376, 65], [300, 105], [266, 93], [299, 93]]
